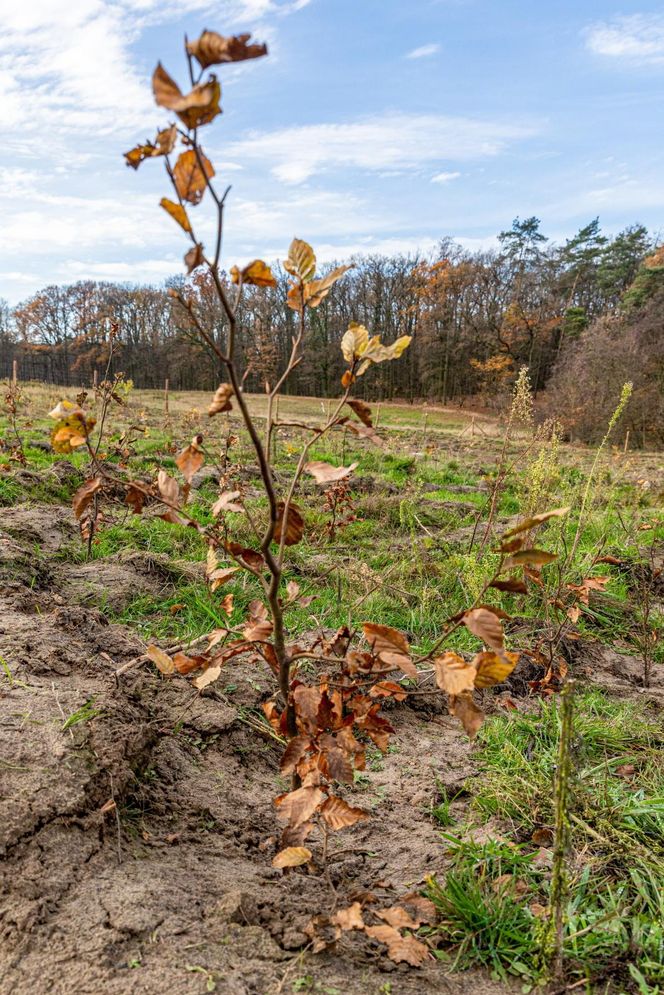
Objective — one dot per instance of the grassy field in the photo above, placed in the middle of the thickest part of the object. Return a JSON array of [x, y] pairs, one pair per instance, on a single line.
[[419, 549]]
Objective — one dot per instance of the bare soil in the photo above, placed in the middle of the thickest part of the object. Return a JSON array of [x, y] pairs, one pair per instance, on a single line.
[[136, 843]]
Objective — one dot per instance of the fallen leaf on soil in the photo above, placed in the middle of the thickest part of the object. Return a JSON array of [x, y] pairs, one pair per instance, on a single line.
[[162, 660], [399, 948], [349, 918], [292, 856]]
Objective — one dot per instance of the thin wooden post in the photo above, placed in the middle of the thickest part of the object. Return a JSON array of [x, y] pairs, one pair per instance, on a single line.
[[626, 441], [15, 372], [472, 427], [95, 378], [377, 418], [166, 397]]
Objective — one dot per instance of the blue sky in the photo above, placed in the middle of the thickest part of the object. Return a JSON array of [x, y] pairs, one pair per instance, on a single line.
[[372, 126]]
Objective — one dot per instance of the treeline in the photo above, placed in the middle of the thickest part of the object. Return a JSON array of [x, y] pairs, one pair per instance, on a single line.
[[476, 318]]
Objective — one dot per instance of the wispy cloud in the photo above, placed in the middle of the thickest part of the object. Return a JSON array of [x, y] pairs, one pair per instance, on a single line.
[[390, 141], [424, 51], [633, 38], [445, 177]]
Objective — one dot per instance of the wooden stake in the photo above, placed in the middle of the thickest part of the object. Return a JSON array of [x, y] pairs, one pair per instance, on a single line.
[[166, 396], [15, 372], [626, 441], [377, 418], [95, 378]]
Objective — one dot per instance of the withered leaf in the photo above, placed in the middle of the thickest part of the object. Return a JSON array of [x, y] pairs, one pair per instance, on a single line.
[[296, 807], [325, 473], [391, 646], [292, 856], [399, 948], [227, 501], [195, 108], [339, 814], [221, 400], [209, 675], [531, 557], [530, 523], [190, 460], [349, 918], [362, 410], [301, 260], [194, 258], [257, 631], [294, 524], [85, 494], [162, 660], [190, 174], [453, 674], [168, 488], [220, 577], [486, 626], [515, 585], [468, 713], [250, 557], [493, 668], [135, 499], [297, 748], [398, 917], [256, 273], [213, 49], [307, 702], [316, 291], [163, 144], [177, 212]]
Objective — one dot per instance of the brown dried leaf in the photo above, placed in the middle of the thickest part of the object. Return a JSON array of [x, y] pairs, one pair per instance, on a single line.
[[301, 260], [325, 473], [453, 674], [163, 144], [250, 557], [221, 400], [294, 524], [213, 49], [399, 948], [177, 212], [307, 702], [220, 577], [227, 502], [168, 488], [349, 918], [391, 646], [339, 814], [190, 174], [135, 499], [162, 660], [296, 750], [190, 460], [515, 585], [531, 557], [292, 856], [257, 631], [531, 523], [195, 108], [316, 291], [486, 626], [256, 273], [296, 807], [468, 713], [362, 410], [194, 257], [398, 917], [209, 676], [493, 668], [85, 494]]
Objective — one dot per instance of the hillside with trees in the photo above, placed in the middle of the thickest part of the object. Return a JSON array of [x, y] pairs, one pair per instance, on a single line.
[[583, 316]]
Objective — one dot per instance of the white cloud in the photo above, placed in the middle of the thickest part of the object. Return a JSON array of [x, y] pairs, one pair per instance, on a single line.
[[633, 38], [401, 141], [424, 51], [445, 177]]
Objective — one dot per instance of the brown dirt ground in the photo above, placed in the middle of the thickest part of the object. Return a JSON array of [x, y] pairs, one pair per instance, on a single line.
[[173, 885]]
